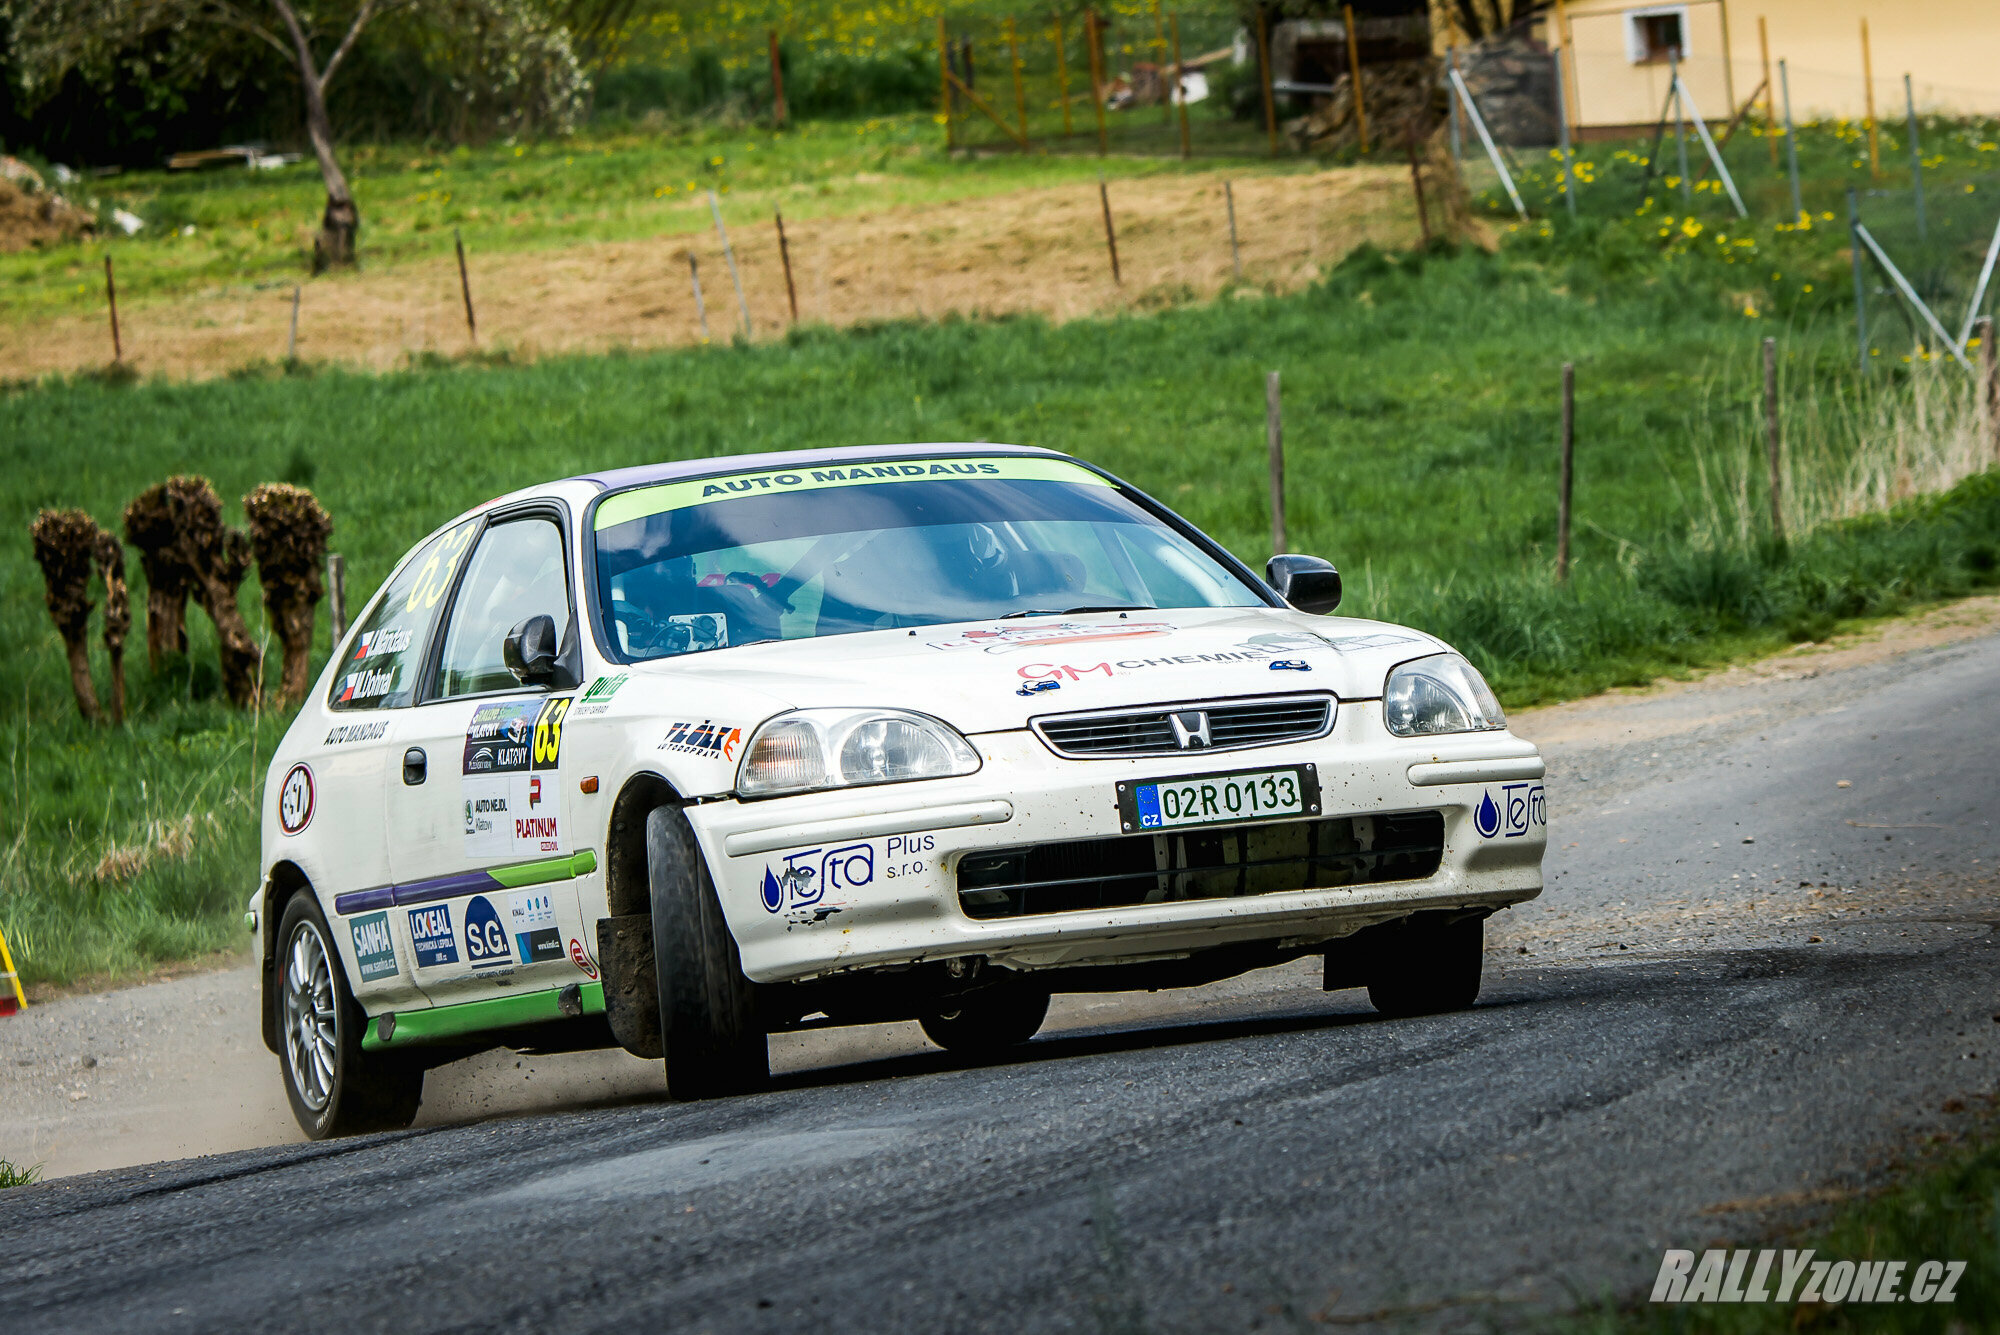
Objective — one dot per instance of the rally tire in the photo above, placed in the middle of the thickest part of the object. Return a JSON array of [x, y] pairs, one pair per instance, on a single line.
[[988, 1021], [1429, 965], [335, 1088], [709, 1027]]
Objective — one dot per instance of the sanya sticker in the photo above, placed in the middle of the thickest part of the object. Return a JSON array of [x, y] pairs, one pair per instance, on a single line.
[[295, 799], [374, 948], [1519, 808]]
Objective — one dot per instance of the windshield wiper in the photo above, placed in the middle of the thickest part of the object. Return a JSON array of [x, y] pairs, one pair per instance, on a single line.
[[1078, 611]]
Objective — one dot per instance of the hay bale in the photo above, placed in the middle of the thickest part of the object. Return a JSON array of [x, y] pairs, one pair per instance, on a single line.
[[65, 542], [288, 532]]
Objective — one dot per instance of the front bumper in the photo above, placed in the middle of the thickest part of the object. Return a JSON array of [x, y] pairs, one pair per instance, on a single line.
[[867, 878]]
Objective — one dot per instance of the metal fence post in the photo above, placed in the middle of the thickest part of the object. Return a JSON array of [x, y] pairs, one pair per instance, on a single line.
[[1568, 471], [1680, 128], [1562, 134], [1860, 284], [1274, 440], [1772, 439], [1916, 157], [1791, 143]]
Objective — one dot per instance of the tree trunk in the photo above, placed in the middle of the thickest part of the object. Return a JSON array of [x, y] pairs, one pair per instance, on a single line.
[[334, 246], [288, 531], [151, 526], [166, 622], [65, 541], [117, 616]]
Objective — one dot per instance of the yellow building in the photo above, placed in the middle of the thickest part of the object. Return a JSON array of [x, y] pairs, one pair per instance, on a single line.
[[1619, 55]]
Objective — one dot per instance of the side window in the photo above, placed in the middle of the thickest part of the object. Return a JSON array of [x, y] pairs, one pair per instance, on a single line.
[[386, 653], [516, 572]]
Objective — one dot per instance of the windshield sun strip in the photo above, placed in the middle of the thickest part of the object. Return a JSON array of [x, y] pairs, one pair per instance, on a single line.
[[644, 502]]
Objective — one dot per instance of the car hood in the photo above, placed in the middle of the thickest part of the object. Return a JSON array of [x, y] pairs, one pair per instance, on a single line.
[[993, 676]]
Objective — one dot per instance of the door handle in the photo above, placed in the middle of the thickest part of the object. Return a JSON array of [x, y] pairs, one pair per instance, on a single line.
[[415, 766]]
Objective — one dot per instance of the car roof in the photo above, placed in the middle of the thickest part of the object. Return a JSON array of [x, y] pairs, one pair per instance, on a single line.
[[617, 479]]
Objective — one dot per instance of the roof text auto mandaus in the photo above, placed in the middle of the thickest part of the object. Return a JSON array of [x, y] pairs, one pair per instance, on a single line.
[[672, 758]]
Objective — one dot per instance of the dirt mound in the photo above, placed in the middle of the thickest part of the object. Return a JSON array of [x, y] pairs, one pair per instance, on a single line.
[[38, 218]]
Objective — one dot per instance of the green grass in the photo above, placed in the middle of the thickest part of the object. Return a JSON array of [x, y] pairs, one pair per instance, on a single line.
[[10, 1176], [1420, 401], [1946, 1208]]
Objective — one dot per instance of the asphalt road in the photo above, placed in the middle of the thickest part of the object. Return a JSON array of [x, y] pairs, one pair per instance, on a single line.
[[1765, 962]]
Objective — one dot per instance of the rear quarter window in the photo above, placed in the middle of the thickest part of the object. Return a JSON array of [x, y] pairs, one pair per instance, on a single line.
[[384, 655]]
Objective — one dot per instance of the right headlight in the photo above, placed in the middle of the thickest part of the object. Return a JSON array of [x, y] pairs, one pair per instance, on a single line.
[[809, 750], [1439, 694]]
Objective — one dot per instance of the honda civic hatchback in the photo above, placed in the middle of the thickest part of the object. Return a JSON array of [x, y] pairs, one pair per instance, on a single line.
[[672, 758]]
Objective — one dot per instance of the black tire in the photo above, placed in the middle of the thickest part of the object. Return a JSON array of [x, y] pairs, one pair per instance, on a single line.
[[335, 1088], [709, 1028], [1429, 966], [984, 1022]]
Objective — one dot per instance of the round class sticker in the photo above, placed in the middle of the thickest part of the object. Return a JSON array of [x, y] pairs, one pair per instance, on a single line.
[[295, 799]]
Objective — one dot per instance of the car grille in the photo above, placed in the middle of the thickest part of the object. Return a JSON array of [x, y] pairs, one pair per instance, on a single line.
[[1129, 870], [1233, 726]]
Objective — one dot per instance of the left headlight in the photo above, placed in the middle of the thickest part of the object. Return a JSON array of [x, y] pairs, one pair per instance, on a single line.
[[812, 749], [1439, 694]]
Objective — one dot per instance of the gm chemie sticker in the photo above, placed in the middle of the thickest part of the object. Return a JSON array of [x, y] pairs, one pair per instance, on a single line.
[[513, 750]]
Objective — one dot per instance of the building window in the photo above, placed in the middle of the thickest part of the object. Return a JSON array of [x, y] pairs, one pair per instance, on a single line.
[[1655, 36]]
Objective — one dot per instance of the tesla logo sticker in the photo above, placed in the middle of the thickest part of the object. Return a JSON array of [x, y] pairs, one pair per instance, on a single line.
[[295, 799]]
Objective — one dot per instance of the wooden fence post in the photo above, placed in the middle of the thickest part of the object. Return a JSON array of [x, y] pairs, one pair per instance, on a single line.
[[111, 300], [1770, 92], [1274, 441], [1989, 379], [944, 82], [1160, 62], [1771, 438], [1235, 255], [1417, 181], [1014, 64], [1110, 233], [1062, 75], [785, 255], [1264, 65], [1354, 76], [1179, 93], [1094, 34], [292, 342], [777, 83], [1568, 472], [465, 286], [336, 595], [700, 306], [1868, 96]]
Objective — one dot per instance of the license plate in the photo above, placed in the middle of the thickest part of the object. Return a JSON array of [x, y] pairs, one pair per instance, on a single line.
[[1229, 798]]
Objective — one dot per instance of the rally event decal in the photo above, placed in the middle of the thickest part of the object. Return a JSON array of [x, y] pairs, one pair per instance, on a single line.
[[508, 788], [295, 799]]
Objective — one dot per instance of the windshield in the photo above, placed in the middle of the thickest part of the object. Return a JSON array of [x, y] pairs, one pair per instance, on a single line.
[[688, 566]]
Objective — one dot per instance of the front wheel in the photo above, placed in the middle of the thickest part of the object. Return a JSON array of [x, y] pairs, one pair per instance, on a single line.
[[982, 1023], [1429, 965], [335, 1088], [709, 1026]]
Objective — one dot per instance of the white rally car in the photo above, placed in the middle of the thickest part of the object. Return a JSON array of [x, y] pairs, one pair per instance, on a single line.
[[671, 758]]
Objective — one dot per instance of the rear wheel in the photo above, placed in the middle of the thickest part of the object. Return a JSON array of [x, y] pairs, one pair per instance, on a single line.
[[709, 1028], [988, 1020], [334, 1087], [1429, 966]]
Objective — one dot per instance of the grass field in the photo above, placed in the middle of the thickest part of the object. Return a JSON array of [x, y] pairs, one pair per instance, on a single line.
[[1420, 400], [1420, 406]]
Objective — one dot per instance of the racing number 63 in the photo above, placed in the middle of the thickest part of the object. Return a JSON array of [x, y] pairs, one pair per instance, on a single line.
[[434, 579], [548, 733]]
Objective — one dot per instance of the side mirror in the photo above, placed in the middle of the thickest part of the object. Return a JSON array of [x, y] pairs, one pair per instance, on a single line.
[[1306, 582], [529, 651]]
